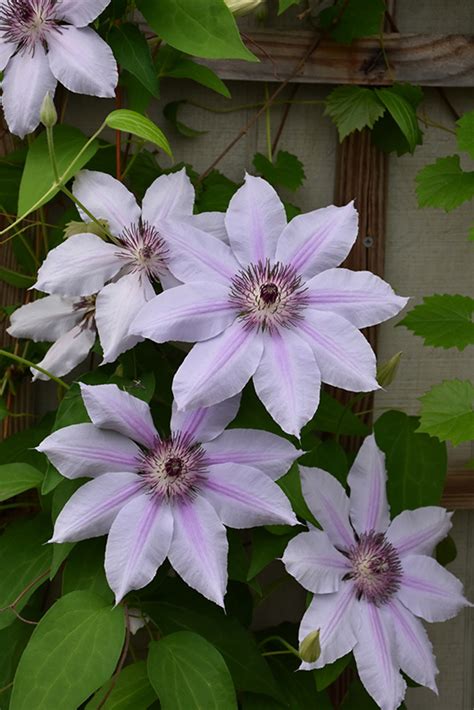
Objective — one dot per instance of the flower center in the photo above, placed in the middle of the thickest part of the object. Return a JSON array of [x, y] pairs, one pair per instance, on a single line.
[[268, 296], [26, 22], [145, 249], [376, 568], [174, 467]]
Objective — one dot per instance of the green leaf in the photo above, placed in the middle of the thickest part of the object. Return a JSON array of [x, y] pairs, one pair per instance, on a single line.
[[443, 321], [12, 642], [20, 446], [285, 171], [180, 609], [358, 698], [403, 113], [85, 570], [216, 193], [14, 278], [325, 676], [37, 182], [446, 551], [63, 491], [16, 478], [353, 108], [187, 69], [170, 112], [72, 652], [138, 125], [202, 28], [465, 133], [290, 484], [416, 463], [444, 184], [386, 133], [11, 169], [348, 20], [285, 4], [133, 54], [335, 418], [188, 673], [447, 411], [266, 548], [131, 691], [24, 557], [330, 456], [298, 688]]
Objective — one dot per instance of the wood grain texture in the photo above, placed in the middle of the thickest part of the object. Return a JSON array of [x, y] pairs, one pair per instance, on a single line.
[[424, 59]]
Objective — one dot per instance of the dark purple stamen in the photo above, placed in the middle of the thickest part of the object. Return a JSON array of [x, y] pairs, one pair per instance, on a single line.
[[174, 466], [376, 568], [27, 22], [269, 293]]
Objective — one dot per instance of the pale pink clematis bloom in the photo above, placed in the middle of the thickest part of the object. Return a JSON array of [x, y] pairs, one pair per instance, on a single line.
[[372, 578], [270, 306], [46, 41], [121, 274], [167, 497], [66, 322]]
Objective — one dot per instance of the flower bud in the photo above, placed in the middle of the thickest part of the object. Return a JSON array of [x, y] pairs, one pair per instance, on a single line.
[[73, 228], [242, 7], [387, 371], [310, 648], [48, 113]]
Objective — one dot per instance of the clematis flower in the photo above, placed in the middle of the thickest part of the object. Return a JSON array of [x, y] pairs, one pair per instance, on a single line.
[[270, 306], [121, 274], [67, 322], [372, 579], [46, 41], [166, 497]]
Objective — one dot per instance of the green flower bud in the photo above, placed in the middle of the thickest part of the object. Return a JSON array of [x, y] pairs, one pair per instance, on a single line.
[[310, 648], [48, 113], [387, 371], [73, 228]]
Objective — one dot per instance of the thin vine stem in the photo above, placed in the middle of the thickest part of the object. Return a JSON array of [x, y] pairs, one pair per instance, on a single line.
[[28, 363]]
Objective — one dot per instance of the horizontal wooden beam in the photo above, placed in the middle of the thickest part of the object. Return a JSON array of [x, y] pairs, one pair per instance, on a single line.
[[424, 59], [459, 490]]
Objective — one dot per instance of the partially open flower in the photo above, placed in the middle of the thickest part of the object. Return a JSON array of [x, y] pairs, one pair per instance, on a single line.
[[242, 7]]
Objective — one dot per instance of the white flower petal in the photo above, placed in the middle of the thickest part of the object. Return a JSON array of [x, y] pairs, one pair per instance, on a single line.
[[328, 502], [80, 12], [26, 82], [199, 548], [138, 543], [358, 296], [83, 450], [244, 497], [82, 61], [212, 223], [79, 266], [367, 480], [46, 319], [376, 657], [417, 532], [106, 198], [92, 509], [6, 51], [254, 221], [109, 407], [67, 352], [313, 560], [205, 423], [287, 380], [168, 196], [117, 307]]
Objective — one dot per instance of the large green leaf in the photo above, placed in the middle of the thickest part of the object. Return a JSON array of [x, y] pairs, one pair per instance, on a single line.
[[37, 182], [353, 108], [332, 417], [416, 463], [188, 673], [202, 28], [349, 19], [13, 640], [174, 64], [85, 570], [16, 278], [465, 133], [16, 478], [179, 608], [140, 126], [386, 133], [403, 113], [72, 652], [265, 548], [131, 691], [24, 561], [443, 321], [444, 184], [133, 53], [447, 411]]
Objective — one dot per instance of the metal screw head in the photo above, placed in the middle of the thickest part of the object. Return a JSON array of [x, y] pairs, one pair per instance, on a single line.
[[368, 242]]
